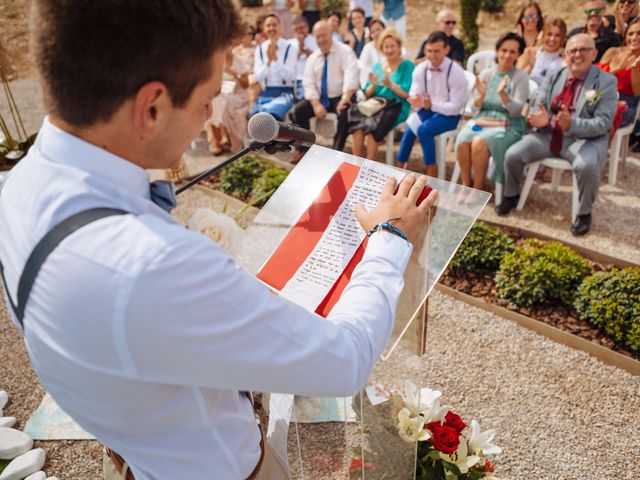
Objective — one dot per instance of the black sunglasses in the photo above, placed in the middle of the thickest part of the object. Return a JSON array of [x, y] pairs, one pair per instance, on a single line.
[[453, 22]]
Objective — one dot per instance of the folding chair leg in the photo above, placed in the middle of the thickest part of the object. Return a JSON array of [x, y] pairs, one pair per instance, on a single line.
[[575, 194], [556, 175], [531, 176], [389, 153], [441, 145], [614, 157], [498, 193]]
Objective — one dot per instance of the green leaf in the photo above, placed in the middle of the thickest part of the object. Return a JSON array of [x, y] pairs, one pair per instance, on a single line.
[[451, 467]]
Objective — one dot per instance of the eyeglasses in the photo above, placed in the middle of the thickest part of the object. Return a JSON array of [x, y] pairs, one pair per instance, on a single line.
[[594, 11], [450, 22], [630, 2], [535, 16], [582, 51]]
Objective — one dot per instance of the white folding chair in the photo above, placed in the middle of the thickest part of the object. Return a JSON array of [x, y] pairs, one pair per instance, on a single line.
[[325, 127], [481, 60], [558, 165], [620, 147], [389, 142]]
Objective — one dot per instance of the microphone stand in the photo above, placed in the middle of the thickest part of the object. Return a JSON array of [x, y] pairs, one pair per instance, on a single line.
[[271, 148]]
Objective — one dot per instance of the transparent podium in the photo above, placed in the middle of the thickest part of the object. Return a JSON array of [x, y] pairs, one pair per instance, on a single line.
[[360, 436]]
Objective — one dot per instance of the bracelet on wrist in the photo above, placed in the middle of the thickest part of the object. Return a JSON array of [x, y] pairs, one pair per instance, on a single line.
[[389, 228]]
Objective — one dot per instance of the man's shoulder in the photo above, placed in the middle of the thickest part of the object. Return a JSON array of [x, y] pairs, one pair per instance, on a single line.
[[575, 31]]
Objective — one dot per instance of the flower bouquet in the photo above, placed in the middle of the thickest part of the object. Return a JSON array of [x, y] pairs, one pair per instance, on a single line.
[[406, 433]]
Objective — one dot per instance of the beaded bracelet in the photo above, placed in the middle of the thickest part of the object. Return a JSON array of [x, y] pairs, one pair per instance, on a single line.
[[390, 228]]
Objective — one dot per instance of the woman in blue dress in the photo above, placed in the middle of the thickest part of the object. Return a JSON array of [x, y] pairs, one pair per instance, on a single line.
[[502, 91]]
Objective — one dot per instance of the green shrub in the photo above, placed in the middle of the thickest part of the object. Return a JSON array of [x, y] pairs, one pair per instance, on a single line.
[[540, 272], [238, 177], [482, 250], [611, 302], [332, 5], [266, 184], [492, 6]]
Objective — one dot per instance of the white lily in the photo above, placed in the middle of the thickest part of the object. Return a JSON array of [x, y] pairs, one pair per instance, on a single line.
[[411, 429], [481, 441], [461, 458], [423, 401]]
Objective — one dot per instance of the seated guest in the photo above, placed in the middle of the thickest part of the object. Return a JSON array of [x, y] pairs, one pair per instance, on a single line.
[[330, 80], [370, 53], [624, 12], [623, 63], [306, 45], [274, 66], [390, 80], [446, 22], [311, 10], [358, 36], [335, 18], [438, 91], [367, 8], [502, 92], [568, 126], [603, 37], [539, 60], [282, 9], [530, 23], [230, 107]]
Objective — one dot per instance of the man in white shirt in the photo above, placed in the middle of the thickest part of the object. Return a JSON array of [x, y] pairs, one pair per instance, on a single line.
[[330, 80], [274, 66], [145, 332], [306, 45], [438, 91]]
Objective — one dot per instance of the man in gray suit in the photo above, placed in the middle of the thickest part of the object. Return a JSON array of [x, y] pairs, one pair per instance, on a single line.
[[576, 105]]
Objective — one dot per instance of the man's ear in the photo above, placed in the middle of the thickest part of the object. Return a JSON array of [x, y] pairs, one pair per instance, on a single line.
[[150, 107]]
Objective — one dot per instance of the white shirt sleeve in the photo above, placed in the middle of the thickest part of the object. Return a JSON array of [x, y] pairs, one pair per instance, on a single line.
[[197, 319], [350, 80], [260, 64], [309, 84], [417, 81]]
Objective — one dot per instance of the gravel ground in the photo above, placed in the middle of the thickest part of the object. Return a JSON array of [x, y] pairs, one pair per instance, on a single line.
[[560, 414]]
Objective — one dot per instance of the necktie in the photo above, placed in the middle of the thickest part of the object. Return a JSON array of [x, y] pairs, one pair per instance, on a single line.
[[324, 84], [564, 99], [163, 194], [435, 69]]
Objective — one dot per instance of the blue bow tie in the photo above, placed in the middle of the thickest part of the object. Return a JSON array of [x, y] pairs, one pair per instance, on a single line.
[[163, 194]]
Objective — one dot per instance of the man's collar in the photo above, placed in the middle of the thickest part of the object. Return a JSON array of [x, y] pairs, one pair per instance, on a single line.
[[61, 147]]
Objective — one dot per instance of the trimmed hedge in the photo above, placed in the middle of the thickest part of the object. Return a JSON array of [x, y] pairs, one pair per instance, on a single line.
[[482, 250], [610, 301], [238, 177], [540, 272]]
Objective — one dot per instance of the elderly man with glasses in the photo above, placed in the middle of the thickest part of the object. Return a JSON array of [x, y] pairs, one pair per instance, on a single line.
[[604, 37], [572, 117], [445, 22]]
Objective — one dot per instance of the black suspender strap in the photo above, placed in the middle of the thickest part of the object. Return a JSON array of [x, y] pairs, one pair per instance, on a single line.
[[447, 79], [44, 247]]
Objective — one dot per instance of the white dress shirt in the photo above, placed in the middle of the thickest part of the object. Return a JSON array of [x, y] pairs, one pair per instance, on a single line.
[[368, 58], [342, 72], [144, 332], [280, 73], [309, 44], [447, 95]]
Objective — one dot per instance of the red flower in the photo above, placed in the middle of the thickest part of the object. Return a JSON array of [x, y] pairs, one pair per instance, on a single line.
[[454, 421], [488, 466], [432, 426], [444, 439]]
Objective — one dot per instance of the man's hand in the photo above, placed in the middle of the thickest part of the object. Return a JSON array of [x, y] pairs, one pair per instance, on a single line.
[[344, 103], [539, 119], [426, 102], [564, 119], [271, 52], [319, 110], [401, 205], [415, 101]]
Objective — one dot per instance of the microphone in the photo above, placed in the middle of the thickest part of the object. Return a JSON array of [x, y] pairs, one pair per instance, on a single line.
[[264, 128]]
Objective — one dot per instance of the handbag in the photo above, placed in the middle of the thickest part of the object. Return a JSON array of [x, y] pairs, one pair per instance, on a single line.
[[371, 106]]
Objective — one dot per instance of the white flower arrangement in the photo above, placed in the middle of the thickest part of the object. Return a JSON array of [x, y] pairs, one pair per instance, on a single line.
[[220, 228], [592, 96]]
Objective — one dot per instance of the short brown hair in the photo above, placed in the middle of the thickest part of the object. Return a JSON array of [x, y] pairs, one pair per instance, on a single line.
[[94, 55]]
